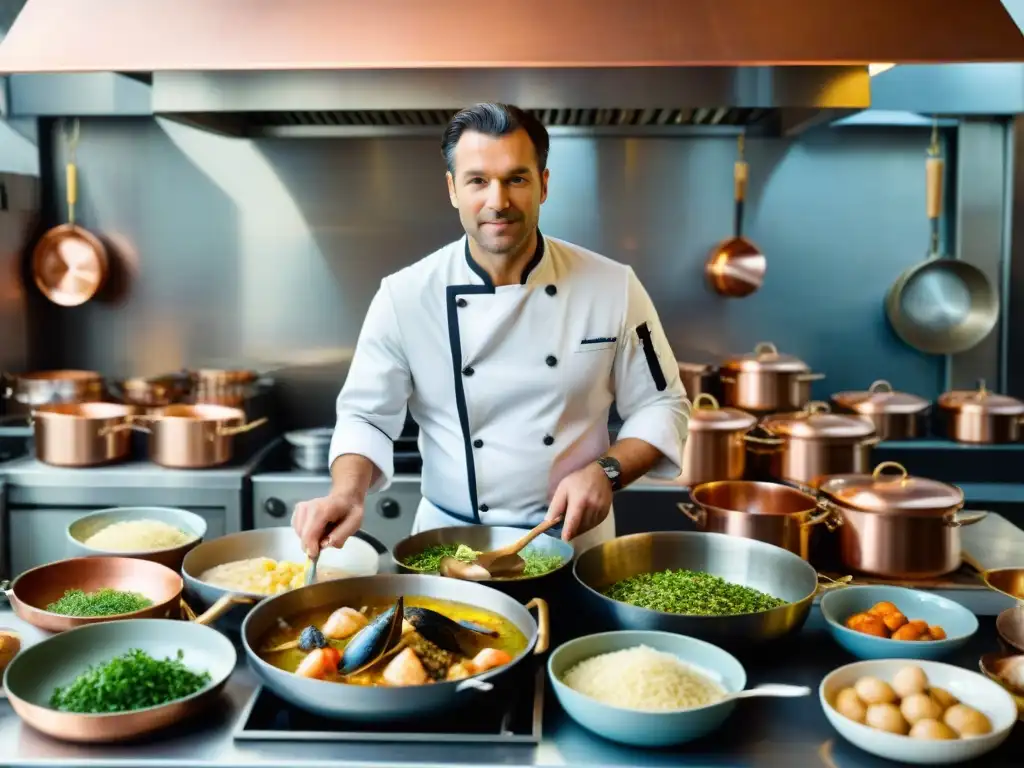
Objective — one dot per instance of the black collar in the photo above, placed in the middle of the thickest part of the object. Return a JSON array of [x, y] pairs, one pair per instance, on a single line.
[[538, 254]]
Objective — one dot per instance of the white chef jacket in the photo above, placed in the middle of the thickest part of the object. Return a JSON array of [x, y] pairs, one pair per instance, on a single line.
[[511, 386]]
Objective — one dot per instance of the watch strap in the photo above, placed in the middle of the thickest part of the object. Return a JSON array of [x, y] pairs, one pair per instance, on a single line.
[[612, 470]]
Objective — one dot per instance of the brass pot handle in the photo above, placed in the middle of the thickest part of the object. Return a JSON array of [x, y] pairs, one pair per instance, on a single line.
[[543, 624], [810, 376], [727, 379], [842, 581], [694, 512], [957, 522], [817, 406], [123, 427], [877, 474], [224, 604], [869, 441], [705, 397], [827, 513], [232, 431], [765, 348], [880, 385]]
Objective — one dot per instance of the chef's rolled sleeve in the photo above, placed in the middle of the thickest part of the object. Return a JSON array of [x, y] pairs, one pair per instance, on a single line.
[[372, 404], [649, 395]]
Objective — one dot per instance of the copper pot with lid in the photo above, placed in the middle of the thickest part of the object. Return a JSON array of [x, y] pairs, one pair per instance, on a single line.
[[896, 415], [982, 416], [817, 442], [194, 436], [715, 446], [897, 525], [766, 381]]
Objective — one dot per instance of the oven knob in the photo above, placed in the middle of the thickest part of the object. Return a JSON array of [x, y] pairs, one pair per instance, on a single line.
[[275, 507], [389, 508]]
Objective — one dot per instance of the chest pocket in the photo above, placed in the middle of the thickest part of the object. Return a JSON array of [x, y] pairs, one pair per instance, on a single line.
[[596, 344]]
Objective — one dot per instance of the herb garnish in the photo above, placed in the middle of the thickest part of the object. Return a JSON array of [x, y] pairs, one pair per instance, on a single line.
[[429, 559], [133, 680], [103, 602], [693, 593]]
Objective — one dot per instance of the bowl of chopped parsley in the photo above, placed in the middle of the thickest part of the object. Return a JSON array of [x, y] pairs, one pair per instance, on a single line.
[[727, 590], [118, 680]]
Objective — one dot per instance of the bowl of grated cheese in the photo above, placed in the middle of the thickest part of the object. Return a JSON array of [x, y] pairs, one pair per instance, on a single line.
[[160, 534]]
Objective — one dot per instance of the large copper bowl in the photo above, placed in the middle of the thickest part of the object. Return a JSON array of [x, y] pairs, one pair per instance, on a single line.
[[33, 590]]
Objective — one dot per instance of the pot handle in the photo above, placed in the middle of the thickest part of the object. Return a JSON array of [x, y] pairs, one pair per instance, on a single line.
[[472, 683], [232, 431], [765, 348], [772, 441], [692, 511], [6, 589], [842, 581], [543, 624], [223, 605], [727, 379], [123, 426], [704, 397], [810, 376], [869, 441], [828, 514], [957, 522]]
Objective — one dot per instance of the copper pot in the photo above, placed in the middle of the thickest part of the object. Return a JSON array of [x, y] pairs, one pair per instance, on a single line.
[[194, 436], [715, 448], [898, 526], [896, 415], [698, 379], [769, 512], [82, 434], [981, 416], [154, 391], [44, 387], [214, 386], [816, 443], [766, 381]]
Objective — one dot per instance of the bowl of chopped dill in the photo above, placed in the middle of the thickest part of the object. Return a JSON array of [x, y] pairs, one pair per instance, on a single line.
[[728, 590]]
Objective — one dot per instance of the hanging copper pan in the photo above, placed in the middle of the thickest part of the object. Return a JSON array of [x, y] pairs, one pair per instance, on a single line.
[[69, 263], [736, 267]]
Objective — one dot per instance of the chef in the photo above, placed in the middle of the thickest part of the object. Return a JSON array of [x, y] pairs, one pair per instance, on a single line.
[[508, 347]]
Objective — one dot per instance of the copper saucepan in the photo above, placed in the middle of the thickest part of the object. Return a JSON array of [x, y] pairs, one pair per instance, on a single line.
[[194, 436], [82, 434], [44, 387], [36, 588], [69, 263], [736, 267], [896, 415], [982, 416]]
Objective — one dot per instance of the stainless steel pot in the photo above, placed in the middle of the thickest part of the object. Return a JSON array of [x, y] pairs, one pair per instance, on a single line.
[[44, 387], [817, 443], [82, 434], [715, 447], [981, 416], [766, 381], [194, 436], [311, 448], [898, 526], [769, 512], [896, 415], [765, 567], [382, 703]]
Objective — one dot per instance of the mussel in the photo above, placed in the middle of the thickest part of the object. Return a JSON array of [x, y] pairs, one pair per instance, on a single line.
[[446, 634], [374, 640]]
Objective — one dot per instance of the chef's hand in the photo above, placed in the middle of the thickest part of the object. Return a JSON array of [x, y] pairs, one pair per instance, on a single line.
[[583, 499], [328, 521]]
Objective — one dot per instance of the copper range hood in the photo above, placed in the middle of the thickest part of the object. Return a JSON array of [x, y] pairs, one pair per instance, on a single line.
[[302, 67]]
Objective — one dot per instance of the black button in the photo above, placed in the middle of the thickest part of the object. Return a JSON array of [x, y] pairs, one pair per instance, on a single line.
[[551, 360], [461, 303], [484, 507], [478, 443], [468, 371], [549, 440], [551, 290]]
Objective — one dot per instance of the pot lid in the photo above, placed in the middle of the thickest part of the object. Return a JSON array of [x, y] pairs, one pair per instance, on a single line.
[[816, 422], [881, 398], [706, 415], [981, 400], [891, 492], [766, 357], [310, 438]]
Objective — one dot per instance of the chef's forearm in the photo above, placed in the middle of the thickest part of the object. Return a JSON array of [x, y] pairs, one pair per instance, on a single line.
[[352, 473], [636, 457]]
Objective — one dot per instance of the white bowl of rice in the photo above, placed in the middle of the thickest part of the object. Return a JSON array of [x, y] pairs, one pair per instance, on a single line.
[[645, 688], [160, 534]]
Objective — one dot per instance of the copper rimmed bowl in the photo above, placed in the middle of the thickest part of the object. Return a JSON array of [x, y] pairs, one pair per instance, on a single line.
[[33, 590]]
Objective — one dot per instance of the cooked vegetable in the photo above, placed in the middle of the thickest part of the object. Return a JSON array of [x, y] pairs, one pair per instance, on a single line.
[[429, 559], [133, 680], [103, 602], [694, 593]]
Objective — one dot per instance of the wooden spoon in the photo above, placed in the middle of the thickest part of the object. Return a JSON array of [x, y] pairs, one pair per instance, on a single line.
[[502, 562]]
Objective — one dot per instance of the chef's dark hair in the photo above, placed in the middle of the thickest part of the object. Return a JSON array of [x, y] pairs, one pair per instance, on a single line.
[[494, 120]]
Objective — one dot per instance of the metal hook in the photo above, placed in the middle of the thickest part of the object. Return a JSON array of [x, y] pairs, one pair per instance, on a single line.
[[71, 135]]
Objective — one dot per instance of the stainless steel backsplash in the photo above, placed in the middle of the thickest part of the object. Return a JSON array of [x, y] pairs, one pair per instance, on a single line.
[[267, 253]]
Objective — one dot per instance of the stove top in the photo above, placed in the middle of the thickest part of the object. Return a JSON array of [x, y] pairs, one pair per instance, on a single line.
[[267, 717]]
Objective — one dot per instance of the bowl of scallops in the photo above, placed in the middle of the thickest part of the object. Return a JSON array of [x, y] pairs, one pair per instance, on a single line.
[[919, 712]]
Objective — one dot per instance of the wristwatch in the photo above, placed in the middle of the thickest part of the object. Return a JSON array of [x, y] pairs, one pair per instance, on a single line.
[[612, 470]]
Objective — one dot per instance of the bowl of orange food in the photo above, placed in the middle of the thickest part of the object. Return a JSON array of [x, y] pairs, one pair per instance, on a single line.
[[878, 622]]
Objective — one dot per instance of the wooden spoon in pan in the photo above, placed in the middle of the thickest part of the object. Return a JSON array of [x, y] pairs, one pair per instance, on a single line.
[[497, 563]]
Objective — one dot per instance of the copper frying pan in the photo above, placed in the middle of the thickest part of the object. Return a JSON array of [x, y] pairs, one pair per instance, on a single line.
[[736, 267], [69, 263], [36, 588]]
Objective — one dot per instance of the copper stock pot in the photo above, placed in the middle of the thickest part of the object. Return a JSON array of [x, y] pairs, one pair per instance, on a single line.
[[981, 416], [896, 415], [82, 434], [715, 446], [766, 381], [193, 436]]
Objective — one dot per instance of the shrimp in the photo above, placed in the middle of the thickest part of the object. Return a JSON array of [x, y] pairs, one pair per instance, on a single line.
[[319, 663], [489, 658], [343, 623], [405, 669]]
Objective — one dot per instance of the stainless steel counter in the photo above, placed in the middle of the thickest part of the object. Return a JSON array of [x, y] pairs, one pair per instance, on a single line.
[[764, 732]]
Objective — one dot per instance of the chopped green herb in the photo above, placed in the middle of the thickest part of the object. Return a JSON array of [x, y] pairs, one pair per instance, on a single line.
[[103, 602], [133, 680], [429, 560], [693, 593]]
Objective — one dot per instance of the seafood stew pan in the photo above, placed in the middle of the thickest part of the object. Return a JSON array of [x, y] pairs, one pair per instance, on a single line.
[[386, 703]]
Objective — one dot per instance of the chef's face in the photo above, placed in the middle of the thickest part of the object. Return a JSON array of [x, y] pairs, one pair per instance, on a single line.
[[498, 188]]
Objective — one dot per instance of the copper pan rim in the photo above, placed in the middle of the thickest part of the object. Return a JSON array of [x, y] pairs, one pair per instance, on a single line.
[[64, 374], [198, 412]]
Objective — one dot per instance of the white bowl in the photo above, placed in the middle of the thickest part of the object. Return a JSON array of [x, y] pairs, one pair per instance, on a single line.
[[971, 688]]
